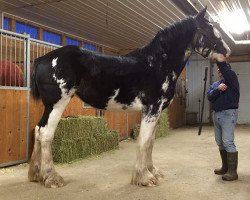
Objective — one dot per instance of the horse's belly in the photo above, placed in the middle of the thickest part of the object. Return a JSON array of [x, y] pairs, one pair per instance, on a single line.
[[113, 104]]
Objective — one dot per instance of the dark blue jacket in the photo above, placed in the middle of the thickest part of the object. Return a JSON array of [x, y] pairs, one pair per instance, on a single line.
[[228, 99]]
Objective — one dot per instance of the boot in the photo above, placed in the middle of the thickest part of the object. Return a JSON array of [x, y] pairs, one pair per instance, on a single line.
[[232, 160], [223, 169]]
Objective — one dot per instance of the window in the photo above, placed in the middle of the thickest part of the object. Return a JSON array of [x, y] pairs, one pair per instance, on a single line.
[[90, 46], [71, 41], [6, 23], [28, 29], [51, 37]]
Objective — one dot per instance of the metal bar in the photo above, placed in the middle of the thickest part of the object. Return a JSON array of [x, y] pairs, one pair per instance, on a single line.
[[5, 61], [25, 63], [13, 33], [10, 62], [13, 88], [1, 51], [27, 56], [15, 59], [20, 41], [45, 43]]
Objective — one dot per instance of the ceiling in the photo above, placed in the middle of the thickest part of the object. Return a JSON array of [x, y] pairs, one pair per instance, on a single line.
[[218, 10], [118, 24]]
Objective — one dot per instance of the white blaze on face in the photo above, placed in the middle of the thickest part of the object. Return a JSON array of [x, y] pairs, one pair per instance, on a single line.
[[54, 62]]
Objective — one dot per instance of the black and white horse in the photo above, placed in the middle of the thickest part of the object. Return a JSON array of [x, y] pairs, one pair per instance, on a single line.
[[142, 80]]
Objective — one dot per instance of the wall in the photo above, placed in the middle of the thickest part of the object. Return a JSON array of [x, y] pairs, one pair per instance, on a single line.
[[242, 70], [195, 84], [13, 118]]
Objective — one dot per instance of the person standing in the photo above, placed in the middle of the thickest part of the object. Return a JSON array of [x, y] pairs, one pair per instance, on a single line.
[[224, 96]]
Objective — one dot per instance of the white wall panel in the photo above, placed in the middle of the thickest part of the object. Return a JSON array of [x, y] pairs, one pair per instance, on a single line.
[[195, 85], [242, 69]]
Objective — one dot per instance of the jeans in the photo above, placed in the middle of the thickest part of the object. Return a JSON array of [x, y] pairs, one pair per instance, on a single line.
[[224, 125]]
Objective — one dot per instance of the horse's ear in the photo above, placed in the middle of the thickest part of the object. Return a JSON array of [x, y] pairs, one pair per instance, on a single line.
[[201, 14]]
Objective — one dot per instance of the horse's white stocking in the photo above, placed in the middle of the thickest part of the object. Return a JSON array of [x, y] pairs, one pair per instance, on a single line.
[[142, 174], [48, 173], [35, 163], [41, 166], [154, 170]]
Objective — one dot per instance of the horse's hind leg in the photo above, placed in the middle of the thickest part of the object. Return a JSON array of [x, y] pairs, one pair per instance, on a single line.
[[35, 163], [42, 167]]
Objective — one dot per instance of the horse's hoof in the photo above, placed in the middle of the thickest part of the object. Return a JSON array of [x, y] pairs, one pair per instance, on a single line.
[[54, 181], [158, 174], [144, 179]]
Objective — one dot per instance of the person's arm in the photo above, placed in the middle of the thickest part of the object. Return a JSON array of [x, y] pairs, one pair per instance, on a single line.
[[228, 74], [213, 92]]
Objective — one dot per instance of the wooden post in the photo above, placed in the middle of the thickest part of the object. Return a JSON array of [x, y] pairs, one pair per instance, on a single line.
[[12, 25], [1, 20], [40, 33], [63, 43]]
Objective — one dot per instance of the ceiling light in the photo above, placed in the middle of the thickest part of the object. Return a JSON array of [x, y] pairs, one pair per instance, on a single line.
[[235, 22]]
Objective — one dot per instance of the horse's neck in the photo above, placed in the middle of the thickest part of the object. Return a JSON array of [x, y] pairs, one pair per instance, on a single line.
[[172, 45]]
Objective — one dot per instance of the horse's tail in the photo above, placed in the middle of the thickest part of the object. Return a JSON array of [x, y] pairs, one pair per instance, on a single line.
[[34, 88]]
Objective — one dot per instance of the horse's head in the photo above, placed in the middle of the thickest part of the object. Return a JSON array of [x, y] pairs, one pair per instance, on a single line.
[[207, 40]]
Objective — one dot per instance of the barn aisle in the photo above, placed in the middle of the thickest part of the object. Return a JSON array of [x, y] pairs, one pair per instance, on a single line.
[[187, 160]]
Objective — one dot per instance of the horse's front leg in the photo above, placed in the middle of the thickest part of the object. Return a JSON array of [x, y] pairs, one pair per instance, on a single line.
[[142, 174], [158, 174]]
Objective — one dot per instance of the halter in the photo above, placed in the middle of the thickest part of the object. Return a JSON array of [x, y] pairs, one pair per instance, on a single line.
[[213, 44]]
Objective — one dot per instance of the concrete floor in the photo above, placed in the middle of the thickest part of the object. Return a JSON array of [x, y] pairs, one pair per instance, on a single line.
[[187, 160]]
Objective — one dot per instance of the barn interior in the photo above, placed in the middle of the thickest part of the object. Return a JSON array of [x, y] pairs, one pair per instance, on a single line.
[[31, 28]]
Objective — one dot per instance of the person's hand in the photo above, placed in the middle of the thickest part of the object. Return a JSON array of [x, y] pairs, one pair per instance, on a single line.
[[218, 57], [222, 87]]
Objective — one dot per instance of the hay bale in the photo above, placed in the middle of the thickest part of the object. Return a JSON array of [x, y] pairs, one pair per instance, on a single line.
[[162, 127], [81, 137]]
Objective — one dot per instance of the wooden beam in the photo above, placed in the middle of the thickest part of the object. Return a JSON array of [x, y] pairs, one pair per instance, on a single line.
[[1, 20], [40, 33], [63, 42], [240, 58], [12, 25]]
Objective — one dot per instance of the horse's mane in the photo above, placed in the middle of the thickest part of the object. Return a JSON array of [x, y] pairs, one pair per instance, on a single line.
[[174, 37]]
